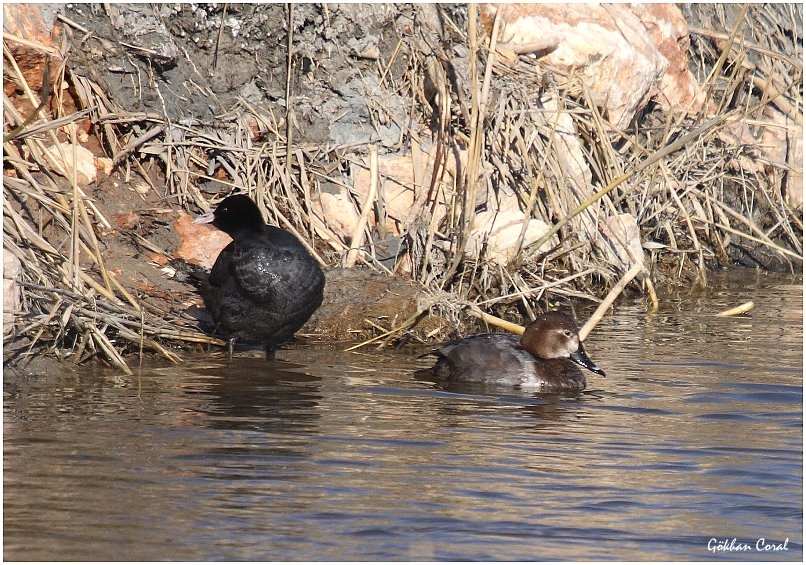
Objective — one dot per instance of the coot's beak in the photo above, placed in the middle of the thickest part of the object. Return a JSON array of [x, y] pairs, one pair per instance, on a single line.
[[581, 358], [205, 218]]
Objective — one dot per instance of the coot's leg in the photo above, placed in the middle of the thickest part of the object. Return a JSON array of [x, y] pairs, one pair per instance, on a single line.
[[270, 352], [230, 348]]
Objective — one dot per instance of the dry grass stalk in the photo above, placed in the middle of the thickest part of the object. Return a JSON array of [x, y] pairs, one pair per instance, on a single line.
[[737, 310], [677, 175], [611, 297], [358, 235], [67, 281]]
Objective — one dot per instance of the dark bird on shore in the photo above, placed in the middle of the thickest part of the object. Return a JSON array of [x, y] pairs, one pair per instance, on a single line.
[[264, 285], [546, 358]]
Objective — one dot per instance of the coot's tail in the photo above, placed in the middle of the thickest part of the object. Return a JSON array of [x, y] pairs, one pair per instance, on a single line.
[[196, 275], [189, 273]]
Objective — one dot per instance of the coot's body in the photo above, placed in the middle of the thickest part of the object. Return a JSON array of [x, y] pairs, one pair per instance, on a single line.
[[264, 285]]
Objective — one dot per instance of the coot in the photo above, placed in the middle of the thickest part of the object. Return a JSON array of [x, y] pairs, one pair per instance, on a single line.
[[264, 285], [544, 359]]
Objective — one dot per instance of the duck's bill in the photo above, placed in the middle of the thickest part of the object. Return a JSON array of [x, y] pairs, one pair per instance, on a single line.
[[205, 218], [581, 358]]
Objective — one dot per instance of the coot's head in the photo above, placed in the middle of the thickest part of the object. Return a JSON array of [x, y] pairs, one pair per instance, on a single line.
[[555, 336], [236, 213]]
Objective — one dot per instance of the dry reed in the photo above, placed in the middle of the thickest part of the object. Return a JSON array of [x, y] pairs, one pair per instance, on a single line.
[[697, 192]]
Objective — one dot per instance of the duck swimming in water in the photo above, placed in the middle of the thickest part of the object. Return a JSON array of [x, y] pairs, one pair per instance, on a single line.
[[546, 358], [264, 285]]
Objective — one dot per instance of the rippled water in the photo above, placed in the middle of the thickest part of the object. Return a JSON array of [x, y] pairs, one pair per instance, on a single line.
[[690, 448]]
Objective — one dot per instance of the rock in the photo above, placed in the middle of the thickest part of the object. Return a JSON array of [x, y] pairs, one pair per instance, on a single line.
[[33, 23], [32, 34], [678, 88], [12, 300], [500, 232], [575, 165], [127, 221], [623, 238], [201, 243], [781, 145], [62, 158], [498, 227], [775, 143], [336, 210], [105, 165], [607, 45], [793, 183], [399, 175]]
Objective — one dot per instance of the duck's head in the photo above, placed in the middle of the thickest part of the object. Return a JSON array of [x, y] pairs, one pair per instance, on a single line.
[[555, 336], [236, 213]]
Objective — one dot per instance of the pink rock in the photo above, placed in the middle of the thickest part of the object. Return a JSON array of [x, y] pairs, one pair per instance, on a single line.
[[667, 27], [781, 144], [776, 144], [622, 53], [498, 233], [402, 179], [201, 243]]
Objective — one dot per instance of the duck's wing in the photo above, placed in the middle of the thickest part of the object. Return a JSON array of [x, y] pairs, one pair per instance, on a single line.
[[484, 357]]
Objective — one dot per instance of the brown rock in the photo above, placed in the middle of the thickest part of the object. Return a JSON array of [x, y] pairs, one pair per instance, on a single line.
[[127, 221], [28, 22], [158, 258]]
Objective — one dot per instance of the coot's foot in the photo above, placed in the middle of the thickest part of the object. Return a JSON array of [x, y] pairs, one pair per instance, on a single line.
[[271, 351]]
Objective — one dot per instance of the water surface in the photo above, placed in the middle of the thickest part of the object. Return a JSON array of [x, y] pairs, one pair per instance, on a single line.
[[690, 448]]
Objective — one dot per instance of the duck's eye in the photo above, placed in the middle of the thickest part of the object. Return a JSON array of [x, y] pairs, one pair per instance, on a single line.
[[567, 333]]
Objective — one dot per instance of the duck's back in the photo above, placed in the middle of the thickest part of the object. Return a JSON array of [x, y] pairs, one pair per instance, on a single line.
[[491, 357], [497, 358], [263, 287]]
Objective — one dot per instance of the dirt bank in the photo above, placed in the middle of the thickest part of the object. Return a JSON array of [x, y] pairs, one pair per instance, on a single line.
[[438, 161]]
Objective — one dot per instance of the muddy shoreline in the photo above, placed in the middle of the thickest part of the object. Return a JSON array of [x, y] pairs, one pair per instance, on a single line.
[[360, 305]]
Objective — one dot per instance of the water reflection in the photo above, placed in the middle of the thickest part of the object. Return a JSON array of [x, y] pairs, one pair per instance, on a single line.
[[695, 434], [468, 398], [256, 395]]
